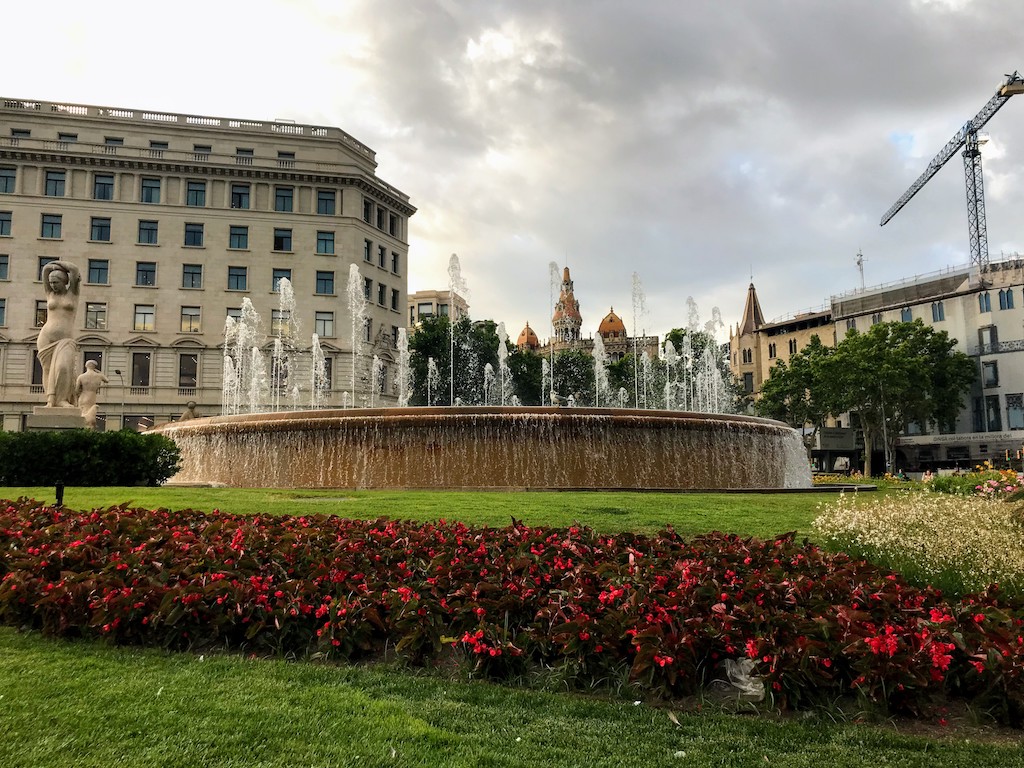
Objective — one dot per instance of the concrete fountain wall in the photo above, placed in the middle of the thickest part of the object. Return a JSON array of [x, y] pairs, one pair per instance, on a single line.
[[508, 448]]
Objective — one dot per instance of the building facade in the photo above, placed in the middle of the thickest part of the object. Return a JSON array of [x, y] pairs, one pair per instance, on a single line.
[[179, 221], [982, 310], [423, 305]]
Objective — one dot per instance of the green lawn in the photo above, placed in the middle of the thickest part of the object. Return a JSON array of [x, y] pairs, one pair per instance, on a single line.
[[85, 704], [751, 514]]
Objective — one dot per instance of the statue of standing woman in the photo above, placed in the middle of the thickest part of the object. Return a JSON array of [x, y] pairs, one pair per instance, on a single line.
[[56, 346]]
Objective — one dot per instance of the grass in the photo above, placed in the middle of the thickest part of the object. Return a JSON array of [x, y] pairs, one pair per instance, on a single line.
[[85, 704], [750, 514], [82, 705]]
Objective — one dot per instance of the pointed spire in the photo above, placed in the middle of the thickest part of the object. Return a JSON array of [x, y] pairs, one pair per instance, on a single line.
[[752, 316]]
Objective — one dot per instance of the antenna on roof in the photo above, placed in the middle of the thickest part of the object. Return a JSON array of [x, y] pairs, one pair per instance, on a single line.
[[860, 267]]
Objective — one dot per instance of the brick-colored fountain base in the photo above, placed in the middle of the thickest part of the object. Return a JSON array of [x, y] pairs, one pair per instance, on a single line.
[[557, 448]]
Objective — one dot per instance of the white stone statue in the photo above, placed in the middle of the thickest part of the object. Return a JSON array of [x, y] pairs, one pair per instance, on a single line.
[[87, 387], [56, 345]]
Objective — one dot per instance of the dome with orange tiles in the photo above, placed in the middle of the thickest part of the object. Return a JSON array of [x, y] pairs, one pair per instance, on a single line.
[[528, 338], [612, 326]]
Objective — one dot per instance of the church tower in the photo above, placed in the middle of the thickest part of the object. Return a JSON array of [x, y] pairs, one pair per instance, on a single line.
[[567, 320]]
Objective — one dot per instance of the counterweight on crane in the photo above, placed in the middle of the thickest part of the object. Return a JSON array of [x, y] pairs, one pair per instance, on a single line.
[[967, 137]]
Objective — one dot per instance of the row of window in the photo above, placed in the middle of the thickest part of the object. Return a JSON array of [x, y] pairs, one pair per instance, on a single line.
[[773, 349], [55, 185], [987, 414]]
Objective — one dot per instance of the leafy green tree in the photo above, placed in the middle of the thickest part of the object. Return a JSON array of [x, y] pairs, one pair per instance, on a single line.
[[574, 375], [430, 340], [801, 392], [898, 373], [526, 368]]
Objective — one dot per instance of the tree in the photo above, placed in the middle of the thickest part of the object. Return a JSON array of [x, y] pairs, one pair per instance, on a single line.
[[574, 375], [526, 367], [800, 393], [895, 374], [430, 340]]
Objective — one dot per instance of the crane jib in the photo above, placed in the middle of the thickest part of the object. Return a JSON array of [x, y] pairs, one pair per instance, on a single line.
[[1014, 85]]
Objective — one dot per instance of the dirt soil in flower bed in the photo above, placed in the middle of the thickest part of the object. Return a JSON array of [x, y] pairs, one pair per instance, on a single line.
[[665, 611]]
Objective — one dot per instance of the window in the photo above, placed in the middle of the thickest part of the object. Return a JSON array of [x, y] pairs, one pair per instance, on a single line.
[[51, 225], [5, 223], [993, 417], [1015, 411], [96, 357], [1006, 299], [392, 224], [394, 337], [285, 159], [876, 318], [394, 299], [382, 292], [984, 302], [282, 239], [40, 313], [325, 243], [324, 324], [99, 272], [988, 338], [279, 321], [235, 313], [283, 198], [7, 177], [367, 211], [67, 138], [748, 382], [238, 237], [239, 195], [96, 316], [190, 319], [938, 312], [792, 346], [188, 370], [277, 276], [151, 190], [771, 351], [20, 133], [55, 183], [382, 256], [103, 186], [141, 362], [145, 319], [381, 213], [906, 315], [194, 235], [394, 262], [113, 141], [100, 230], [145, 273], [367, 288], [156, 148], [147, 232], [243, 156], [43, 261], [367, 329], [851, 324], [238, 278], [367, 250], [202, 151], [3, 312], [325, 283], [990, 373], [328, 381], [5, 266], [195, 194], [325, 201], [192, 276]]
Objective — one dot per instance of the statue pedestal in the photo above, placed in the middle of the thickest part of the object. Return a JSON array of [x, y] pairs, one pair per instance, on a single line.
[[46, 419]]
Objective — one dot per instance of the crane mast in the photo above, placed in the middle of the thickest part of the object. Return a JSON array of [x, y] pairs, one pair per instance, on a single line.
[[967, 137]]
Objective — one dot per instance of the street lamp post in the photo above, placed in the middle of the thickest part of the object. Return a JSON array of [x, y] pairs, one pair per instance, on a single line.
[[118, 372]]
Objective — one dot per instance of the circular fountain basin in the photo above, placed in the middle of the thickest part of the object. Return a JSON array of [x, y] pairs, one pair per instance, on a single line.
[[491, 447]]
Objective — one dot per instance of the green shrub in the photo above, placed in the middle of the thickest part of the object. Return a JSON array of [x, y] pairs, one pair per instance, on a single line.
[[83, 457]]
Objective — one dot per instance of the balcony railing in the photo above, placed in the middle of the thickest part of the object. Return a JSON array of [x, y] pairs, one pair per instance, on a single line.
[[996, 348]]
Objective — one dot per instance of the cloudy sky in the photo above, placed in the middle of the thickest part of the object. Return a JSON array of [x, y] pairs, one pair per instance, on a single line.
[[695, 144]]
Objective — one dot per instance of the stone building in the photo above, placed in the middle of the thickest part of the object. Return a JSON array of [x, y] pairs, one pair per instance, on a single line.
[[174, 221], [983, 311]]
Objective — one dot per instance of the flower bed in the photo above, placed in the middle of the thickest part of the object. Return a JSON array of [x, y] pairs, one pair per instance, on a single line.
[[509, 600]]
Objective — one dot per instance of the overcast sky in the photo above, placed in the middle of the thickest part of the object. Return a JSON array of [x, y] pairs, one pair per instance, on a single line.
[[693, 143]]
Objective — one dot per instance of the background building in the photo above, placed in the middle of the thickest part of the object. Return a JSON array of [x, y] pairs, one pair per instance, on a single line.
[[426, 304], [983, 310], [174, 220]]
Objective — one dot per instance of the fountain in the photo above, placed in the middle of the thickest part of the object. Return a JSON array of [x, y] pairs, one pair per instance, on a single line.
[[491, 447]]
